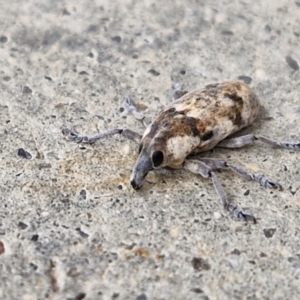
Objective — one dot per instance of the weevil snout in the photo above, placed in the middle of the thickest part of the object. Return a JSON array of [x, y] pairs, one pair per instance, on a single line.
[[135, 185], [140, 170], [137, 180]]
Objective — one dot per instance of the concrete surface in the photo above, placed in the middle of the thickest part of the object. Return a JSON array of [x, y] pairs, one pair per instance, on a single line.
[[70, 225]]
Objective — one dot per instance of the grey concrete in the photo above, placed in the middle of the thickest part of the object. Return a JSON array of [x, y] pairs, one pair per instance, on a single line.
[[71, 227]]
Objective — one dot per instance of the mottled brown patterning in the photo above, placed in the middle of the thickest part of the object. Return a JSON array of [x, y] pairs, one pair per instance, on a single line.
[[200, 120]]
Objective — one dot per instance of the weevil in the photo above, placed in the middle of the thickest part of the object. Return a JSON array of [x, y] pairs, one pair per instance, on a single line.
[[193, 123]]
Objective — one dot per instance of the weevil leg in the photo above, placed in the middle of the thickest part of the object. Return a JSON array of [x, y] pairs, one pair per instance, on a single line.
[[251, 139], [200, 167], [131, 107], [73, 135], [163, 171], [215, 163]]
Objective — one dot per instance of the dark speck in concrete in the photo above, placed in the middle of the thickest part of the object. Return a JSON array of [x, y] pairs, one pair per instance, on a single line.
[[22, 225], [83, 194], [82, 234], [292, 63], [3, 39], [91, 55], [6, 78], [197, 290], [117, 39], [66, 12], [48, 78], [83, 73], [200, 264], [35, 237], [80, 296], [227, 32], [141, 297], [33, 266], [292, 190], [268, 28], [269, 232], [115, 296], [246, 79], [93, 28], [26, 90], [292, 259], [153, 72], [182, 72], [247, 193], [2, 248], [24, 154], [236, 252]]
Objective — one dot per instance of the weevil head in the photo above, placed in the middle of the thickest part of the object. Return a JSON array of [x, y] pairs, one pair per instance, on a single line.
[[148, 160], [162, 146]]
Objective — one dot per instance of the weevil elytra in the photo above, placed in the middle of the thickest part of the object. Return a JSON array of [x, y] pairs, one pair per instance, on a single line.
[[194, 123]]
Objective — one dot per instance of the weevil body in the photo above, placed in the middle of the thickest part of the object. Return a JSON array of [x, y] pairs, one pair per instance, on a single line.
[[196, 122]]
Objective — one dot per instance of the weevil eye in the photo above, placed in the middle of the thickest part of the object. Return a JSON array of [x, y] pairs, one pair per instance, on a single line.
[[157, 158], [140, 148]]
